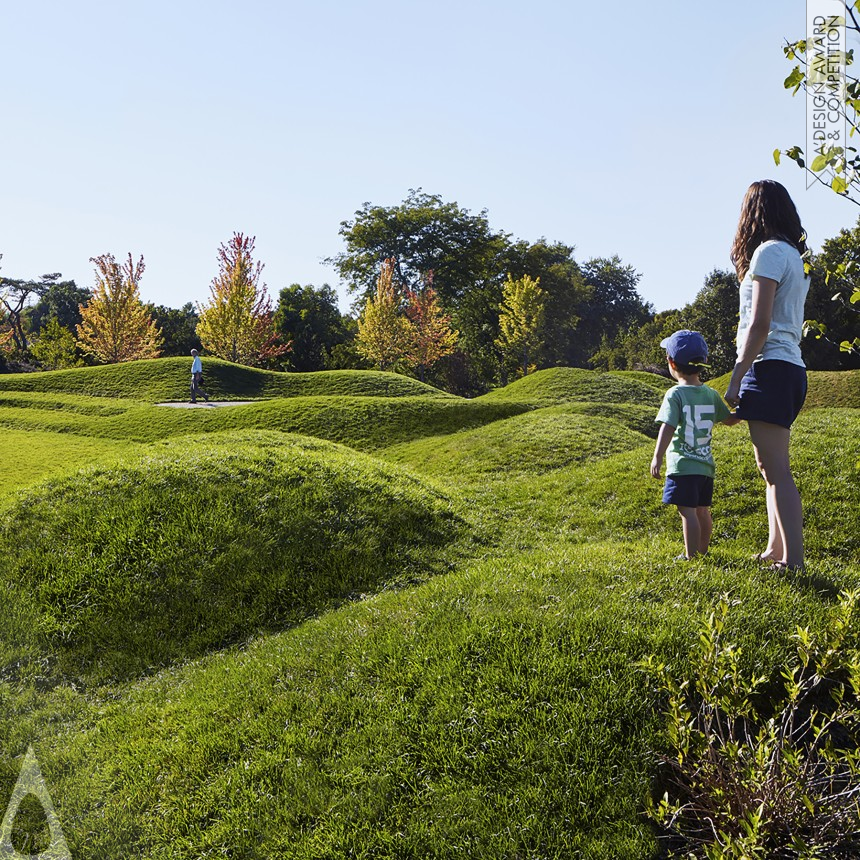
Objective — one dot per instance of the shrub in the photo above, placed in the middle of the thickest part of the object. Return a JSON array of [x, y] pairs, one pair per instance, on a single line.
[[772, 780]]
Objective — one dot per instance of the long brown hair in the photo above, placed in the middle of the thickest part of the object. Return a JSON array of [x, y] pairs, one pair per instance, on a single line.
[[768, 212]]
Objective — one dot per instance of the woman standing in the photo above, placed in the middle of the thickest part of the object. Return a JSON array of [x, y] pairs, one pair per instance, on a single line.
[[768, 384]]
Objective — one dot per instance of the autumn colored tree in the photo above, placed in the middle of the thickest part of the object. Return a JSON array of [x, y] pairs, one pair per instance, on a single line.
[[383, 332], [236, 324], [115, 325], [430, 334], [521, 319]]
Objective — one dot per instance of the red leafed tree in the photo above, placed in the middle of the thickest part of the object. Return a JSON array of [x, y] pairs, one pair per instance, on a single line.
[[273, 349], [431, 336]]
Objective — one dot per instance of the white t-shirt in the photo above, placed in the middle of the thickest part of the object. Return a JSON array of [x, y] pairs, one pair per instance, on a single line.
[[780, 262]]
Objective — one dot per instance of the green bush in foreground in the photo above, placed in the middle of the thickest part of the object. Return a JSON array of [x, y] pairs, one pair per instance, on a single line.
[[122, 568], [746, 783]]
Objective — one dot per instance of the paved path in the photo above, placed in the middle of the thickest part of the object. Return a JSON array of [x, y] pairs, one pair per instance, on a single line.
[[210, 405]]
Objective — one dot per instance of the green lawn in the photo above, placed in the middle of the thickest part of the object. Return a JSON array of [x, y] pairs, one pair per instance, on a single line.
[[169, 378], [410, 631], [36, 454]]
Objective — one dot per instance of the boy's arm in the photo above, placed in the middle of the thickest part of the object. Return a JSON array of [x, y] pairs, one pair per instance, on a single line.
[[724, 416], [664, 439]]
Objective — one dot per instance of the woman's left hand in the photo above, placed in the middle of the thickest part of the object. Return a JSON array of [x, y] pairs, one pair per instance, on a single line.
[[732, 395]]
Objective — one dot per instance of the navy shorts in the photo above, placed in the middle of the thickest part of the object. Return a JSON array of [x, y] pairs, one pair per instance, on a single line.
[[688, 491], [772, 391]]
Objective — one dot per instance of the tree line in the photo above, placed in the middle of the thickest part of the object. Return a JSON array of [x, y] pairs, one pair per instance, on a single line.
[[436, 292]]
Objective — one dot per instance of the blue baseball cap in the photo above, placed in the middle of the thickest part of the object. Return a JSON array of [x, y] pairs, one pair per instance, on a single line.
[[686, 347]]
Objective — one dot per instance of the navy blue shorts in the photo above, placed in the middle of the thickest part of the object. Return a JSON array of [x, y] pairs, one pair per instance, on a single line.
[[688, 491], [772, 391]]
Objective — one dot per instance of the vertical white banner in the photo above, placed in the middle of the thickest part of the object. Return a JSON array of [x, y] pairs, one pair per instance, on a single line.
[[826, 127]]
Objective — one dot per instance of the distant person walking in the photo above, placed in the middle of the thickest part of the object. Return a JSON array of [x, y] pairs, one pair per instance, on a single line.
[[197, 378], [768, 383]]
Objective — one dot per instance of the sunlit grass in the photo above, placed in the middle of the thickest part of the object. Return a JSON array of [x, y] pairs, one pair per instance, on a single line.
[[169, 379], [460, 683]]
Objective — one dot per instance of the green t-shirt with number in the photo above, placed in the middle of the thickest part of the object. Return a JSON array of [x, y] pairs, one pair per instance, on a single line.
[[692, 410]]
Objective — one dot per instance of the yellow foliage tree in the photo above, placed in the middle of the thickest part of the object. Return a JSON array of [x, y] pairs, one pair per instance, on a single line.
[[521, 319], [383, 332], [115, 325], [237, 325]]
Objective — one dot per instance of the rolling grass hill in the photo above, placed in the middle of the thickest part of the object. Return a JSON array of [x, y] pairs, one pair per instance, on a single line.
[[234, 641], [202, 541], [365, 422], [166, 379], [532, 443], [826, 388], [568, 384]]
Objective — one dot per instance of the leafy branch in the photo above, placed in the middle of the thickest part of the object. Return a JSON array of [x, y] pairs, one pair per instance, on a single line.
[[779, 780]]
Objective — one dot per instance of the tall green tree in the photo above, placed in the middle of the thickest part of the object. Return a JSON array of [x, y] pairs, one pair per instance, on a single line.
[[566, 292], [61, 301], [714, 312], [15, 297], [421, 234], [612, 305], [309, 317], [178, 328], [834, 276], [345, 355], [55, 348], [521, 320]]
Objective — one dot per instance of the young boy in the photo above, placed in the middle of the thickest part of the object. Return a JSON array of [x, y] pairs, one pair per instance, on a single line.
[[687, 415]]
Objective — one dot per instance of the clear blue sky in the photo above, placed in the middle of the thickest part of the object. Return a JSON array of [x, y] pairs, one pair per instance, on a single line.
[[162, 127]]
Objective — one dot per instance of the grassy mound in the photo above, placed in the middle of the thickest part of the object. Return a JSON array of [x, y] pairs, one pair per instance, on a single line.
[[834, 388], [40, 454], [617, 498], [655, 380], [565, 384], [364, 422], [534, 443], [117, 570], [168, 379], [838, 388], [494, 712]]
